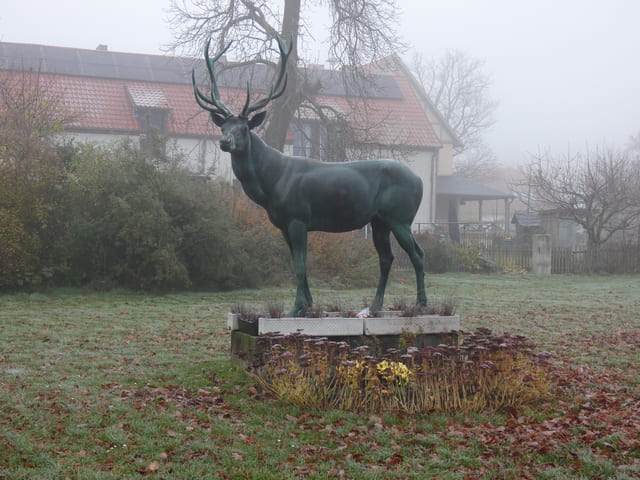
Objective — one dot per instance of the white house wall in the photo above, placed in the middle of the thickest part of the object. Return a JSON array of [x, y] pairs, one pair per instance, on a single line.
[[423, 164], [96, 138], [203, 156], [445, 160]]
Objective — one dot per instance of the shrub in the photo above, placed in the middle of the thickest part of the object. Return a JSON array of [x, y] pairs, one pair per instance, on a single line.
[[17, 250], [467, 258], [31, 174], [144, 222], [264, 255], [120, 230], [440, 256], [116, 215], [343, 259], [436, 255], [485, 372]]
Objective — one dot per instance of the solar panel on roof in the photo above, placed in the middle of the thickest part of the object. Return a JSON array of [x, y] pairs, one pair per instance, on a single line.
[[168, 69], [96, 66], [24, 57], [60, 60], [157, 68], [135, 72]]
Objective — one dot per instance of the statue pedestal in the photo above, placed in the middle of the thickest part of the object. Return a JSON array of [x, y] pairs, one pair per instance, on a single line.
[[379, 333]]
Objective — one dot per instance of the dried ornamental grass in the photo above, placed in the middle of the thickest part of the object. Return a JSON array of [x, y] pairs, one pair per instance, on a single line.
[[485, 372]]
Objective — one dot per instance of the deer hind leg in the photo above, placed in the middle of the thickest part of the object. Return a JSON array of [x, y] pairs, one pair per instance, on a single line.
[[416, 255], [381, 240], [296, 237]]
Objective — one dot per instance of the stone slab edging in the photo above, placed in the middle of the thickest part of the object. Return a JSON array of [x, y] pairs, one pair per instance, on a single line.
[[348, 326]]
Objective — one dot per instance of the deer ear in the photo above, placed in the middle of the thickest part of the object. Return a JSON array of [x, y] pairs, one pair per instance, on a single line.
[[257, 119], [218, 119]]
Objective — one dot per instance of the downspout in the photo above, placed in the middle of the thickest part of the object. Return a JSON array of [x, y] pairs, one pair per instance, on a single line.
[[434, 180]]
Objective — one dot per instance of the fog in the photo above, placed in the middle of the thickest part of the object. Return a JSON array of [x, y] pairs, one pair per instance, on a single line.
[[565, 73]]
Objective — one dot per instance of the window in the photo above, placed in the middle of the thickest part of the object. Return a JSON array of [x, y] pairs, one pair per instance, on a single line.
[[306, 139], [151, 109], [313, 140], [156, 118]]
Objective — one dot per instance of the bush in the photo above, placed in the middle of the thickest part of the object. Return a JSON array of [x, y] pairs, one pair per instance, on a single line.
[[143, 222], [468, 258], [119, 216], [31, 179], [343, 259], [436, 255], [119, 231], [262, 253], [441, 257], [17, 251]]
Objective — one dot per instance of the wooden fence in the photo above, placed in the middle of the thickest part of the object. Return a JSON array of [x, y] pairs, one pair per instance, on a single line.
[[619, 259], [611, 259]]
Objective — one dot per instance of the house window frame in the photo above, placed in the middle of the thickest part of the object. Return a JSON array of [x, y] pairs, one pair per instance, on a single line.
[[149, 117], [154, 124], [312, 138]]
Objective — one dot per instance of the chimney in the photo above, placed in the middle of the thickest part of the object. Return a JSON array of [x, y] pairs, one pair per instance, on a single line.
[[102, 48]]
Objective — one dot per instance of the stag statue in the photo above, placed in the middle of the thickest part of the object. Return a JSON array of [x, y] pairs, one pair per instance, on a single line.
[[302, 195]]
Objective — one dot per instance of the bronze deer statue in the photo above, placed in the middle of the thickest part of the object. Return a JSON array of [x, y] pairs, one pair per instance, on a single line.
[[302, 195]]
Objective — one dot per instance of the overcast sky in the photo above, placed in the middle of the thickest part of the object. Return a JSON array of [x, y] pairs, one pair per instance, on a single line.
[[566, 73]]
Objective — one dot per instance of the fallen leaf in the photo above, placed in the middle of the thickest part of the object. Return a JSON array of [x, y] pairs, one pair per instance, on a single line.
[[153, 466]]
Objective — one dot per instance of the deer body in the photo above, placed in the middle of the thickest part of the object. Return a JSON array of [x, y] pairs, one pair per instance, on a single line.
[[328, 197], [302, 195]]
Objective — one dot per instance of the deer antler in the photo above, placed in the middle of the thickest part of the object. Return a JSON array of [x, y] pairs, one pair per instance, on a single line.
[[214, 103], [278, 87]]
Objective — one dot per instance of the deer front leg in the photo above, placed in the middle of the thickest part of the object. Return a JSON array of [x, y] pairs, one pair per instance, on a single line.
[[296, 235], [307, 293]]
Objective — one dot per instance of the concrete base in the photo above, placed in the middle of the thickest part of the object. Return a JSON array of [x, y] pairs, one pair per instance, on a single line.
[[380, 333]]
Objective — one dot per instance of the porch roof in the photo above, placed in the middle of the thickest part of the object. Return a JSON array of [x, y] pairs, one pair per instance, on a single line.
[[465, 189]]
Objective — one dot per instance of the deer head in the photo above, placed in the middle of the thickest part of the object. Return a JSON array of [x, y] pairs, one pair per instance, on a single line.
[[235, 128]]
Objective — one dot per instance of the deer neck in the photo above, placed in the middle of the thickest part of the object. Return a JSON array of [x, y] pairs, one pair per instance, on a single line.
[[254, 168]]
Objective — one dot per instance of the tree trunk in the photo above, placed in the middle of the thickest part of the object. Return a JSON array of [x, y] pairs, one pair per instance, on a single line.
[[283, 109]]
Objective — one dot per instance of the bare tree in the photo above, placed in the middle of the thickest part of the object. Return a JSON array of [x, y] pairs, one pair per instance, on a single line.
[[478, 162], [459, 89], [362, 31], [597, 189], [633, 145]]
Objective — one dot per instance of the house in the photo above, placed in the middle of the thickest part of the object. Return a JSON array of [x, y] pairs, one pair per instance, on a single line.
[[451, 191], [114, 95]]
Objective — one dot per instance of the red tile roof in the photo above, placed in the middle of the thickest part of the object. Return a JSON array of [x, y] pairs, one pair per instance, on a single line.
[[108, 104], [391, 121]]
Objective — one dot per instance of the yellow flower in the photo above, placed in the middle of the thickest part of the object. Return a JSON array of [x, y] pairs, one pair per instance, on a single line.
[[394, 372]]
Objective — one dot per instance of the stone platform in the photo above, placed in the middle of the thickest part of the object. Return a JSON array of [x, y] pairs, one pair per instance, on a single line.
[[379, 333]]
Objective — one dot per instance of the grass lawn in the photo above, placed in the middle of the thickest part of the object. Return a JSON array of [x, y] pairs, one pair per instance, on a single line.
[[121, 385]]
